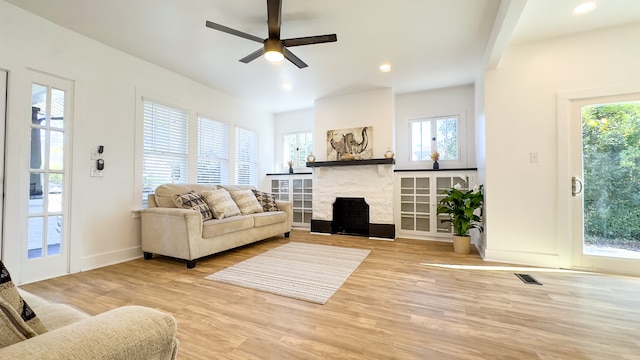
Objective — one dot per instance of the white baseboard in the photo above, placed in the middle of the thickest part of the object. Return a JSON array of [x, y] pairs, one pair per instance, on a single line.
[[110, 258], [522, 258]]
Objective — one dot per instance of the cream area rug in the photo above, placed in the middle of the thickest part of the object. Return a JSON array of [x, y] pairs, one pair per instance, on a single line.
[[303, 271]]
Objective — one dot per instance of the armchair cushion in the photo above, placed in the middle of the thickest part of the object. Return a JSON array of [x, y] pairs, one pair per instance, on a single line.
[[17, 320]]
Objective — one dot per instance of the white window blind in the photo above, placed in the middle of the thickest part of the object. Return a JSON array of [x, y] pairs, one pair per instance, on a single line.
[[165, 148], [213, 152], [246, 157]]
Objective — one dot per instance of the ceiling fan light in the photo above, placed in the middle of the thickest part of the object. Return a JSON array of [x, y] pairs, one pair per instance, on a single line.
[[273, 56], [585, 8]]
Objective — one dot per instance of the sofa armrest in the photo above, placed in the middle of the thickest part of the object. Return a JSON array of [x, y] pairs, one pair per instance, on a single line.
[[130, 332], [286, 206], [170, 231]]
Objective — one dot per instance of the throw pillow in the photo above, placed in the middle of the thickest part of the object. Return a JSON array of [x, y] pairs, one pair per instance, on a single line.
[[194, 201], [17, 321], [221, 203], [246, 201], [266, 200]]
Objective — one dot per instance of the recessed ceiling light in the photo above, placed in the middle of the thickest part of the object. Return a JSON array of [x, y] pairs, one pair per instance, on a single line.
[[585, 8], [287, 86], [385, 67]]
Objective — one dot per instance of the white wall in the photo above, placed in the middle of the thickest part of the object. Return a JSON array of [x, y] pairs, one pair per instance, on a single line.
[[521, 117], [291, 122], [457, 100], [371, 108], [107, 81]]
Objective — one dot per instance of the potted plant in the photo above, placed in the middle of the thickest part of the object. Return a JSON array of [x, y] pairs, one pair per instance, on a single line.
[[463, 207]]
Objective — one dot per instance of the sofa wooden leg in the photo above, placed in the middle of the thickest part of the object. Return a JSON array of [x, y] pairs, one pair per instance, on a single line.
[[191, 264], [147, 255], [287, 234]]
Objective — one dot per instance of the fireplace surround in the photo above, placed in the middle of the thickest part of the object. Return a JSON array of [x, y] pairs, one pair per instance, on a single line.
[[370, 180]]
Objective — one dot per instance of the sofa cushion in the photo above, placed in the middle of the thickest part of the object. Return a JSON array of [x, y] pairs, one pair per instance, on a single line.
[[165, 193], [266, 200], [236, 187], [246, 201], [53, 315], [212, 228], [269, 217], [17, 320], [221, 203], [194, 201]]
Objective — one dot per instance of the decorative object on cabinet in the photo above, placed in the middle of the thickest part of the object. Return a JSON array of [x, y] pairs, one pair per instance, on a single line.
[[435, 156], [290, 166], [388, 154], [354, 142], [311, 158], [461, 207]]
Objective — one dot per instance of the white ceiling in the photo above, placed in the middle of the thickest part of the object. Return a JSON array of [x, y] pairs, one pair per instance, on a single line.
[[429, 43]]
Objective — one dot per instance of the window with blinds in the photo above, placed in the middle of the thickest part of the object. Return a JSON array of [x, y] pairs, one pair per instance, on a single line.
[[246, 157], [165, 147], [213, 151]]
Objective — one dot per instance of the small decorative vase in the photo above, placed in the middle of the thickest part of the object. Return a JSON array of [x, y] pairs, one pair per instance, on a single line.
[[436, 165], [290, 170], [461, 244], [388, 154]]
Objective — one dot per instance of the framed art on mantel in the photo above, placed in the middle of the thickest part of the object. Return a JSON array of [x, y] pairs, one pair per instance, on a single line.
[[354, 142]]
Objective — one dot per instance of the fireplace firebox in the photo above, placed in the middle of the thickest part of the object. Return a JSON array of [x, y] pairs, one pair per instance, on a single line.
[[350, 216]]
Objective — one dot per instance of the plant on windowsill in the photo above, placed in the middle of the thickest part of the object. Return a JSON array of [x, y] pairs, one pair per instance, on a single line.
[[434, 157], [290, 162], [464, 208]]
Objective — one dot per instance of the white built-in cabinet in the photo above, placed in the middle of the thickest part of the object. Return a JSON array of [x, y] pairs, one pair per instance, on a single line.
[[417, 197], [297, 188]]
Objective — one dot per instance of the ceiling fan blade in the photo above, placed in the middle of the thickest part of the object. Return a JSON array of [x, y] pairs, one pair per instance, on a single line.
[[294, 59], [254, 55], [308, 40], [274, 12], [231, 31]]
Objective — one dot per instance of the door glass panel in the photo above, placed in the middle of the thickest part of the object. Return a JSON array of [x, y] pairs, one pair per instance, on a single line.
[[36, 235], [611, 174], [36, 203], [56, 154], [38, 139], [39, 104], [54, 232], [57, 108], [55, 193]]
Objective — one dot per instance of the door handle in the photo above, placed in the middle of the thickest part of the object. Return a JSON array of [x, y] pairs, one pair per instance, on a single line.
[[574, 189]]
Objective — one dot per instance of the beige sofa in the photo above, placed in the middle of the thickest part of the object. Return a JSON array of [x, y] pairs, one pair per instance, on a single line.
[[129, 332], [181, 233]]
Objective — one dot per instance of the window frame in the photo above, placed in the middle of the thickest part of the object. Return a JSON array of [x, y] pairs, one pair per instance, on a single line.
[[433, 121], [285, 152]]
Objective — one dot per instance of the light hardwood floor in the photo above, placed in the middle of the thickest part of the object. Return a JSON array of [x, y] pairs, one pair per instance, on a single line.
[[392, 307]]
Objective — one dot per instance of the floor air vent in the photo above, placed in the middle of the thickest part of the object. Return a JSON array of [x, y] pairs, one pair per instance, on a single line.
[[528, 279]]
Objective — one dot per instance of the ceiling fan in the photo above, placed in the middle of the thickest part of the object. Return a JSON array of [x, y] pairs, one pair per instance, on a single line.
[[274, 48]]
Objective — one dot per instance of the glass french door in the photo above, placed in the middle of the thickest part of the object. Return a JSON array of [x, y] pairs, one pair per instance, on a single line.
[[606, 184], [45, 251]]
